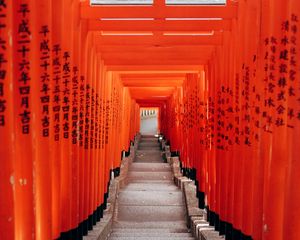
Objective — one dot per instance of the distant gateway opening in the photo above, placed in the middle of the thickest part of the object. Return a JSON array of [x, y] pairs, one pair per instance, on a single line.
[[149, 121]]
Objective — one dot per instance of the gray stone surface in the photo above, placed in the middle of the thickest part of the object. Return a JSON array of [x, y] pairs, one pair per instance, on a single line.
[[149, 125], [144, 213], [150, 198], [149, 186], [196, 217], [148, 156], [150, 206], [134, 175], [102, 229], [210, 235], [176, 226], [151, 238], [150, 167]]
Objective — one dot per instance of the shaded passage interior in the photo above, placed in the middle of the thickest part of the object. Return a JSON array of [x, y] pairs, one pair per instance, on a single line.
[[223, 76]]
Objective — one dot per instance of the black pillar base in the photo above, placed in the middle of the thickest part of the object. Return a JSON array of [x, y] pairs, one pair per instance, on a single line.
[[95, 217], [208, 215], [105, 201], [246, 237], [222, 227], [66, 236], [80, 231], [236, 234], [212, 218], [74, 233], [228, 231], [117, 172], [99, 212], [201, 198], [193, 175], [90, 222], [85, 227], [217, 222]]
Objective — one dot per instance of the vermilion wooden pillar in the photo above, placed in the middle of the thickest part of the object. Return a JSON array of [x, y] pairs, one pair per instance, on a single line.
[[56, 117], [65, 124], [24, 218], [7, 176], [83, 128], [42, 109], [92, 138], [87, 130], [74, 124], [247, 74], [275, 172], [292, 196]]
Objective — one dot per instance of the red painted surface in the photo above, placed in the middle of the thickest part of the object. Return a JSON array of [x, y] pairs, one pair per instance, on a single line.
[[71, 89]]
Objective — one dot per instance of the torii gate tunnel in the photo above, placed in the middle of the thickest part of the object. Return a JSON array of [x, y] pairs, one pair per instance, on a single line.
[[224, 76]]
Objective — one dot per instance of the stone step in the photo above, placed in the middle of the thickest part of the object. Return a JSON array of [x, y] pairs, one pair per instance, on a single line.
[[159, 186], [211, 235], [151, 230], [147, 157], [134, 175], [150, 206], [153, 146], [152, 159], [176, 225], [147, 151], [149, 181], [149, 145], [151, 238], [149, 213], [149, 140], [151, 167], [150, 198], [147, 234]]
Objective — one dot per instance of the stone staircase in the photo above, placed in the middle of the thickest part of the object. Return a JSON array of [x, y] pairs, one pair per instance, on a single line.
[[150, 206]]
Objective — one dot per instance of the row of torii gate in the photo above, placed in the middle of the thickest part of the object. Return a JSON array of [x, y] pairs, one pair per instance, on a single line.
[[224, 78]]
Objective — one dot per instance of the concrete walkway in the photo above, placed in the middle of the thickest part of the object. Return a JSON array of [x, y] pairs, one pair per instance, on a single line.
[[150, 206]]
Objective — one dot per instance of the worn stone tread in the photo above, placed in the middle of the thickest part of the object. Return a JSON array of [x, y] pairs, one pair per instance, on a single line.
[[150, 206], [151, 238], [149, 198]]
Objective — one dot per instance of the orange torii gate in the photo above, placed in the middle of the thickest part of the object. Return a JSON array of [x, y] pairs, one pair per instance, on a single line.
[[74, 76]]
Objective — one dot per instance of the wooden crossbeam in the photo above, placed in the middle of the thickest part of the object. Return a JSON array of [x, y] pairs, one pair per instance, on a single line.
[[151, 91], [145, 94], [159, 25], [152, 79], [157, 104], [153, 49], [151, 102], [162, 83], [159, 41], [155, 68], [152, 75], [162, 57], [158, 12], [144, 63]]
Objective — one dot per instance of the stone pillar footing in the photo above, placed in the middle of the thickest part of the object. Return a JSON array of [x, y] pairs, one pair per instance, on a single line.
[[196, 217]]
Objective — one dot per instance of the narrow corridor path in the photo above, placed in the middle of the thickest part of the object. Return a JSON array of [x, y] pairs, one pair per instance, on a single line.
[[150, 206]]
